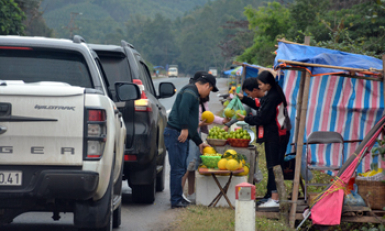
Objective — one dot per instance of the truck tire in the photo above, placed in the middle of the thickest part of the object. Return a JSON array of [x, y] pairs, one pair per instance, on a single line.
[[117, 214], [109, 214], [117, 217], [144, 193], [160, 179]]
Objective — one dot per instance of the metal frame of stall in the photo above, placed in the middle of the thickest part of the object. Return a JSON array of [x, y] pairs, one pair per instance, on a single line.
[[303, 97]]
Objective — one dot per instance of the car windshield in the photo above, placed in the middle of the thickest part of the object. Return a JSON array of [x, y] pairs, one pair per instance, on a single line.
[[35, 65], [172, 69]]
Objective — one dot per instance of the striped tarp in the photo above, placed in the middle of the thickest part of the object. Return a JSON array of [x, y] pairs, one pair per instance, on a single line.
[[345, 105]]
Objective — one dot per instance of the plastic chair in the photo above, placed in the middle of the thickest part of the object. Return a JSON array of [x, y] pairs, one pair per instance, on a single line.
[[322, 137]]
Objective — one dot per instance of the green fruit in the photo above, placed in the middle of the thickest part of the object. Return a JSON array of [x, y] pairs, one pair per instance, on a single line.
[[229, 113], [226, 103]]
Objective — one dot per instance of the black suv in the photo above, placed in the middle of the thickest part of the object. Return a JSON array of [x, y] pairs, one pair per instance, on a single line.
[[145, 119]]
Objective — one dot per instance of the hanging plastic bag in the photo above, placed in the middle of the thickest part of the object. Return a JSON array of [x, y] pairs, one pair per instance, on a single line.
[[258, 176], [353, 198], [235, 106]]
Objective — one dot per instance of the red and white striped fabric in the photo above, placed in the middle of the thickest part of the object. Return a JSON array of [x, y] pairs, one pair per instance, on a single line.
[[345, 105]]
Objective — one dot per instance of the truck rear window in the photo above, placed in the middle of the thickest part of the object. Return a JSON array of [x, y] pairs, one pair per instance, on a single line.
[[44, 65], [116, 68]]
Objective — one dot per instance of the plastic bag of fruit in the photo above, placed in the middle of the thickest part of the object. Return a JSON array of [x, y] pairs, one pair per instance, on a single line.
[[233, 108]]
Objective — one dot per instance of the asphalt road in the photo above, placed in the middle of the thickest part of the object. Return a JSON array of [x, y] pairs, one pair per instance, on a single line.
[[136, 217]]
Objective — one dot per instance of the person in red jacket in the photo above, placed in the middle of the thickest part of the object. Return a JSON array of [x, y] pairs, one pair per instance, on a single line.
[[272, 124]]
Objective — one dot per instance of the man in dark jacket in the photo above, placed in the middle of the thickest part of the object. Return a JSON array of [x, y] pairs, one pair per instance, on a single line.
[[182, 125]]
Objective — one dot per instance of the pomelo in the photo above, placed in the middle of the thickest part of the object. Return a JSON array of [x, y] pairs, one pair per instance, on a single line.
[[208, 116]]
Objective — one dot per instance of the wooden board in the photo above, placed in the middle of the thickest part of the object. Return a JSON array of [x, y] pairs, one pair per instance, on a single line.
[[217, 171]]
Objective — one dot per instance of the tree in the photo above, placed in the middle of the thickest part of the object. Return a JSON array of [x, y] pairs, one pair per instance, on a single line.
[[267, 23], [11, 18], [34, 23]]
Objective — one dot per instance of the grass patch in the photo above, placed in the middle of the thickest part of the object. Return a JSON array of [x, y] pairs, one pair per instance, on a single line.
[[217, 219]]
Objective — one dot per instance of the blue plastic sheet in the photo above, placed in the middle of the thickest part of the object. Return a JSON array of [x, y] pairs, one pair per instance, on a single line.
[[318, 55]]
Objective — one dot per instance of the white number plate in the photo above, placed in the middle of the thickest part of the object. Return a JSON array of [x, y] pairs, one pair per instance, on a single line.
[[10, 178]]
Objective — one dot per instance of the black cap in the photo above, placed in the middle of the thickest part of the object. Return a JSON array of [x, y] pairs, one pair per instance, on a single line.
[[210, 78]]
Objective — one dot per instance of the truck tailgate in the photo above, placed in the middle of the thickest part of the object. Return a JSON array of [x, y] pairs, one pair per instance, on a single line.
[[41, 124]]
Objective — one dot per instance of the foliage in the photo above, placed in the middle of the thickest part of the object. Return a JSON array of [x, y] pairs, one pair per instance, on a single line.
[[34, 23], [356, 28], [267, 23], [351, 30], [158, 29], [11, 18]]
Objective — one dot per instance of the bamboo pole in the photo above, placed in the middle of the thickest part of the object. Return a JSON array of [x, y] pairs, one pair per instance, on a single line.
[[243, 74], [281, 188], [329, 66], [290, 42], [298, 157], [303, 98], [383, 75], [299, 102]]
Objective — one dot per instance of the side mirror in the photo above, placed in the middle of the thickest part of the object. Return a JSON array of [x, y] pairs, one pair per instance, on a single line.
[[127, 91], [166, 90]]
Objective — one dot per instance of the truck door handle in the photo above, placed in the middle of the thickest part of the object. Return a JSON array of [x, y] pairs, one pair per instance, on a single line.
[[3, 129]]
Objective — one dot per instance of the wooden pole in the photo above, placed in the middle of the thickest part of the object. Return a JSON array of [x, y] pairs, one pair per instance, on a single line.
[[383, 75], [329, 66], [281, 188], [298, 158], [299, 102], [243, 73]]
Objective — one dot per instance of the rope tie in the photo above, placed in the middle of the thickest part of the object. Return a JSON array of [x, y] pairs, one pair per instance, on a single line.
[[338, 184]]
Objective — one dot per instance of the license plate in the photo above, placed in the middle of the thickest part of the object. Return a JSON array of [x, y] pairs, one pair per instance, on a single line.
[[10, 178]]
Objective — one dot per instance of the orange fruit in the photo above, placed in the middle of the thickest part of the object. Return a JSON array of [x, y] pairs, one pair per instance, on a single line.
[[232, 165], [245, 171], [208, 116], [209, 150], [222, 164]]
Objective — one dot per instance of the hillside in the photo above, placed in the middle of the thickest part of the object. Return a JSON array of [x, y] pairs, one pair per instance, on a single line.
[[108, 15], [188, 33]]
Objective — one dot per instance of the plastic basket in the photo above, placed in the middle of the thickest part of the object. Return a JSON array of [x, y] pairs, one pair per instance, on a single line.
[[238, 142], [210, 161], [216, 142]]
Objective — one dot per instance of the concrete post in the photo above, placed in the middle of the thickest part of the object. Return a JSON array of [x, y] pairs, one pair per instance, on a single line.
[[245, 207]]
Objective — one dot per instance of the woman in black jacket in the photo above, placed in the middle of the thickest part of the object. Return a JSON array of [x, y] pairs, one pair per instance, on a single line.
[[271, 124]]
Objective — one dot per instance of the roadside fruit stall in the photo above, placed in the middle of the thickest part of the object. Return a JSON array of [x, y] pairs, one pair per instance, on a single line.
[[229, 161]]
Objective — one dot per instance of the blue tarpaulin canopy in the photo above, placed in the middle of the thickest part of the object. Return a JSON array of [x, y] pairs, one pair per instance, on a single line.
[[323, 56]]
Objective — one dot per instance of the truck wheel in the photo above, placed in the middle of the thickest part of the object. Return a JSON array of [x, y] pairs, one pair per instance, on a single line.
[[144, 193], [109, 213], [117, 217], [160, 179], [117, 220]]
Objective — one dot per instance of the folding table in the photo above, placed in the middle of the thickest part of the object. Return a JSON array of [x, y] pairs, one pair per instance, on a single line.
[[222, 191]]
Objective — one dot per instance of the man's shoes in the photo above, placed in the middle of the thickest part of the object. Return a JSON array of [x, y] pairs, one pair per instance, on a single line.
[[270, 203], [180, 204]]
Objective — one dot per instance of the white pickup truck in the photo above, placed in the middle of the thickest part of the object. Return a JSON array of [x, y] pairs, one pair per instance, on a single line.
[[61, 136]]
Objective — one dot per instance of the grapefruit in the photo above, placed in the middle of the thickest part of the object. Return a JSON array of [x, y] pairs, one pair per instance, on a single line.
[[222, 164], [208, 116], [209, 150], [232, 165]]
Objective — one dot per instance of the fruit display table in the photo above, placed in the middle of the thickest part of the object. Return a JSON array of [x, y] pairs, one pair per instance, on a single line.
[[250, 153], [206, 189]]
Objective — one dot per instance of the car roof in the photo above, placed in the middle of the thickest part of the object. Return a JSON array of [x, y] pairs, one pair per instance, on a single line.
[[102, 47], [58, 43]]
